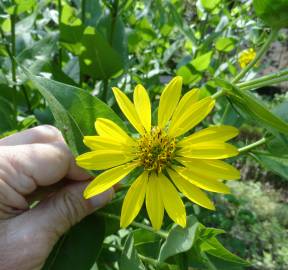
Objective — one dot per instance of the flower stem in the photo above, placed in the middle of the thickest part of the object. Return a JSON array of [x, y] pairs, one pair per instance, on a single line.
[[218, 94], [262, 51], [252, 145], [270, 79], [59, 22], [13, 55], [264, 83], [142, 257], [161, 233]]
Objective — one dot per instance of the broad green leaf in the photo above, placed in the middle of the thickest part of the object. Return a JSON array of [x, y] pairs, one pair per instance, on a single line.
[[7, 116], [98, 59], [93, 12], [179, 240], [213, 247], [202, 62], [113, 29], [74, 110], [224, 44], [25, 5], [253, 108], [71, 30], [189, 74], [210, 4], [276, 164], [129, 258], [272, 12], [79, 247]]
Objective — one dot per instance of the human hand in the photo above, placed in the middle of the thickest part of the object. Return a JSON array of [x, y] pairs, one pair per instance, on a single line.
[[29, 161]]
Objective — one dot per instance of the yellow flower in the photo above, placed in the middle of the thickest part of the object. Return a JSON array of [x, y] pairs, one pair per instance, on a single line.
[[168, 161], [246, 56]]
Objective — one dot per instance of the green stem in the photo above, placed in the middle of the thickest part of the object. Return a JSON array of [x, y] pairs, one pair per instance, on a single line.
[[252, 145], [264, 83], [161, 233], [105, 90], [142, 257], [29, 107], [262, 51], [13, 55], [59, 22], [276, 75], [220, 93], [83, 12]]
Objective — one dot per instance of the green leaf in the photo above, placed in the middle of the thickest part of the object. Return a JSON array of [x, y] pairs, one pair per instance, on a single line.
[[74, 110], [189, 74], [224, 44], [210, 4], [129, 258], [78, 248], [179, 240], [253, 108], [272, 12], [276, 164], [213, 247], [24, 5], [202, 62], [113, 29], [7, 116], [98, 59]]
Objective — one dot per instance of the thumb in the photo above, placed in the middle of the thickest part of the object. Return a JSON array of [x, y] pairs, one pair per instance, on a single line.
[[62, 210]]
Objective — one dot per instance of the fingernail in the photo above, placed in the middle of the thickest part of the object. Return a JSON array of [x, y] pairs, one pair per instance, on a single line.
[[102, 199]]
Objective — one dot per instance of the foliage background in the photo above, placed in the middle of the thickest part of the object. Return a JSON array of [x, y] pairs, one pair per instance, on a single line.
[[55, 54]]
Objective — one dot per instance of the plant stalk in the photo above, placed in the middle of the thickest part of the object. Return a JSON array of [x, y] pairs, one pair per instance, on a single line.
[[13, 55], [59, 22], [264, 83], [251, 146], [262, 51], [161, 233]]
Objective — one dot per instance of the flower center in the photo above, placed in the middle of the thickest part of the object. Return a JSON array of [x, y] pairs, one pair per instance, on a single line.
[[156, 150]]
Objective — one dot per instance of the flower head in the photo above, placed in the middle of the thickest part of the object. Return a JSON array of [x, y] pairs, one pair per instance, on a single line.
[[170, 160], [246, 56]]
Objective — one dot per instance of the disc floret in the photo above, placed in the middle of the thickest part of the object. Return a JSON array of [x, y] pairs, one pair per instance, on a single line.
[[156, 150]]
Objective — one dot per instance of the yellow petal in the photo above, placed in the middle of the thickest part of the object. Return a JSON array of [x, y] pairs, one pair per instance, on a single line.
[[190, 191], [143, 106], [204, 183], [108, 179], [103, 159], [191, 117], [128, 108], [107, 128], [172, 201], [211, 168], [210, 134], [104, 143], [134, 200], [208, 151], [186, 101], [154, 203], [169, 100]]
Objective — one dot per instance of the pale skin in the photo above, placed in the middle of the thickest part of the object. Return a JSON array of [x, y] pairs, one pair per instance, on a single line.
[[37, 163]]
